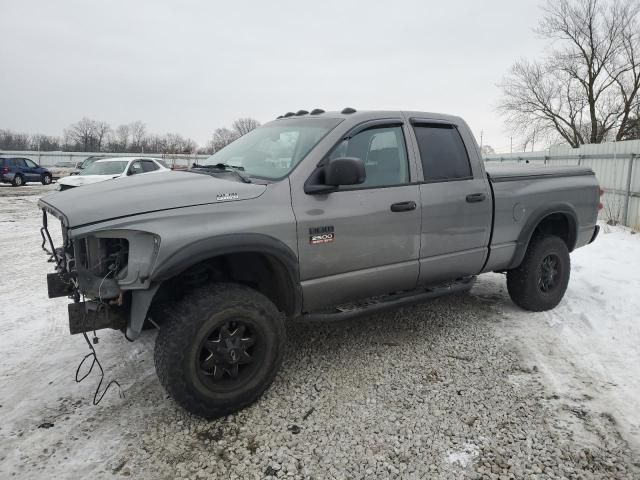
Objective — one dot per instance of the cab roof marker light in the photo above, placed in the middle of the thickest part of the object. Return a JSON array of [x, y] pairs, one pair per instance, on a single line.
[[348, 110], [317, 111]]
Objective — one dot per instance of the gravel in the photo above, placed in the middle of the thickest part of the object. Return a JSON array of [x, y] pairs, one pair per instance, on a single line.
[[431, 391]]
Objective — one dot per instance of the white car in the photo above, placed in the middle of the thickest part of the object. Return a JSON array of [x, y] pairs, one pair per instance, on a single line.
[[111, 168]]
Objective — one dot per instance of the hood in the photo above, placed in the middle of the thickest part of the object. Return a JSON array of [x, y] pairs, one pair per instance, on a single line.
[[79, 180], [127, 196]]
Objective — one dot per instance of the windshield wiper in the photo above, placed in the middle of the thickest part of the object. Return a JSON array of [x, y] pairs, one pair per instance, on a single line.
[[224, 167]]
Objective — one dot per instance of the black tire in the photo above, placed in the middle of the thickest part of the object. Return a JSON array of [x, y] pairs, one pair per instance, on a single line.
[[181, 353], [540, 281], [18, 181], [46, 179]]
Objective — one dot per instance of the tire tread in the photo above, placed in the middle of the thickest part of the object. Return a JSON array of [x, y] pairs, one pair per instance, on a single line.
[[169, 352], [521, 281]]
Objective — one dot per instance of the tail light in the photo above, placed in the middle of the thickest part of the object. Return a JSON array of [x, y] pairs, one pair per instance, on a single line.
[[600, 193], [4, 169]]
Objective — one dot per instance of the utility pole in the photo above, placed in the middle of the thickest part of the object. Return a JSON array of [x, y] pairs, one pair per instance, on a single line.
[[481, 135], [511, 140]]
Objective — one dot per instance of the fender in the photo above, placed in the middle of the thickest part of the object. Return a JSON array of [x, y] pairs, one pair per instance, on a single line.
[[207, 248], [535, 219], [204, 249]]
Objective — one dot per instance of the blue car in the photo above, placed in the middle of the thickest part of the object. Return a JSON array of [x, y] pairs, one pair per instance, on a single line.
[[18, 171]]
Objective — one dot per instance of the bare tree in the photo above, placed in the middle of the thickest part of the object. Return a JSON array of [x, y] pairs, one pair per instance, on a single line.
[[221, 138], [101, 129], [10, 140], [122, 134], [633, 130], [587, 88], [44, 143], [242, 126], [87, 135], [138, 133], [80, 134], [487, 150]]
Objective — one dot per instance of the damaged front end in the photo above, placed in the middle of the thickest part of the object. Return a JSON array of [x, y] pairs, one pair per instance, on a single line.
[[108, 289]]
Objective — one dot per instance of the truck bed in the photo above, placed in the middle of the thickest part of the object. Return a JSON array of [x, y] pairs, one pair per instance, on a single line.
[[523, 194]]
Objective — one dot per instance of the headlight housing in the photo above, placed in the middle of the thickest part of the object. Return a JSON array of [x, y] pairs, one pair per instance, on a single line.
[[108, 262]]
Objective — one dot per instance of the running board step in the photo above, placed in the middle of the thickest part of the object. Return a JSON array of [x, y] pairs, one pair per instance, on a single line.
[[374, 305]]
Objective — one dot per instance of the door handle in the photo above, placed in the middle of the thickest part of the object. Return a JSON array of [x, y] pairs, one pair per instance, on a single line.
[[403, 206], [476, 197]]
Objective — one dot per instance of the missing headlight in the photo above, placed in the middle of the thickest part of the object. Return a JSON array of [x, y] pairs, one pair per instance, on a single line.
[[100, 256]]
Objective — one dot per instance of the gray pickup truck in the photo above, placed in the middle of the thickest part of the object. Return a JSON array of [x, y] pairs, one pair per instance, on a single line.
[[314, 216]]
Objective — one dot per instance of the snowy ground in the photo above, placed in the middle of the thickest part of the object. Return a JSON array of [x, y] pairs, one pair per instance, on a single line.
[[588, 348], [463, 387]]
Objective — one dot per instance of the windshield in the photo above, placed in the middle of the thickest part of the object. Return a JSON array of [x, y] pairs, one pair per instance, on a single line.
[[105, 168], [273, 150], [89, 160]]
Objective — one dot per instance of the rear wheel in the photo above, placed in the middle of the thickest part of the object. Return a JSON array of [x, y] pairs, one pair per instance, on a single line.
[[18, 181], [539, 283], [46, 179], [219, 348]]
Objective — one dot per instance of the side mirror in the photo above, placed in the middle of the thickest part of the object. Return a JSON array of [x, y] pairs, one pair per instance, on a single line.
[[344, 171], [335, 172]]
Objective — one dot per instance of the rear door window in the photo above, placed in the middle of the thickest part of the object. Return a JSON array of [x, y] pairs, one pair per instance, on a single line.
[[442, 151], [149, 166], [135, 168]]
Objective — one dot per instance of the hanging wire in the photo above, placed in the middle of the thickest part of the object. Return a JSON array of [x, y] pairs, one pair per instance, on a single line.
[[97, 396]]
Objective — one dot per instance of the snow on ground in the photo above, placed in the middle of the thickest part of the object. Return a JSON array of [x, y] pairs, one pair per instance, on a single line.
[[588, 347]]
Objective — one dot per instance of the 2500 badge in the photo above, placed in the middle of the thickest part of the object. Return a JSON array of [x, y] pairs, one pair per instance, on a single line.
[[319, 235], [322, 238]]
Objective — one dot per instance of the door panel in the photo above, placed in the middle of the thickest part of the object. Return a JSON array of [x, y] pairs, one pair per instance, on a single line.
[[369, 250], [456, 203], [455, 232], [31, 171], [351, 243]]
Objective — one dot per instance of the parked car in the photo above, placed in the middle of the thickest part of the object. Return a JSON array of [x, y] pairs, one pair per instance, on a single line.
[[86, 162], [18, 171], [108, 169], [312, 217], [63, 169]]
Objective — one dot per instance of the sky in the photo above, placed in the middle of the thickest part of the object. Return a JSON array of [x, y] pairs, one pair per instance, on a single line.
[[192, 66]]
